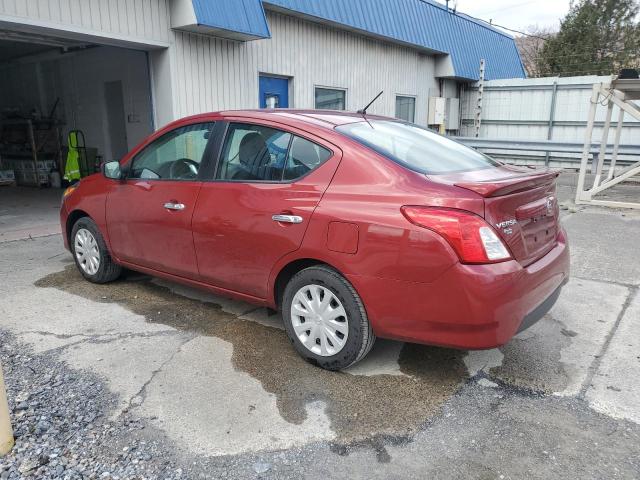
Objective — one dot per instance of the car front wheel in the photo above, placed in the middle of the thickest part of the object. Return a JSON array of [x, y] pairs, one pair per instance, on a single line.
[[90, 253], [325, 319]]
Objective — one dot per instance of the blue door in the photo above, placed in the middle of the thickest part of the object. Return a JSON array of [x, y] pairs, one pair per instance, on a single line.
[[274, 92]]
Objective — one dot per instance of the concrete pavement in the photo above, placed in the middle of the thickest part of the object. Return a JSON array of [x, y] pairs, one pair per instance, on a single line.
[[217, 382]]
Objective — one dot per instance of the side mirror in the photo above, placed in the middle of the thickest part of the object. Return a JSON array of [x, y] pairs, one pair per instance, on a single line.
[[112, 170]]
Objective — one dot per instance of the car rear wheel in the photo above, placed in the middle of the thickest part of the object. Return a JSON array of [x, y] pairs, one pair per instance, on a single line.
[[325, 319], [90, 253]]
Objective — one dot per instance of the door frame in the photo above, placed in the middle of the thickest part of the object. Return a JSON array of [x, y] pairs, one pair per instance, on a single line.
[[220, 132], [289, 80]]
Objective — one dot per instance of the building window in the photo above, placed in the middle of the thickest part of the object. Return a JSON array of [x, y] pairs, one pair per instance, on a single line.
[[406, 108], [330, 99]]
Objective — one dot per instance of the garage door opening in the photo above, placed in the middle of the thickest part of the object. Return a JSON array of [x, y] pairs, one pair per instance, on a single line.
[[50, 87]]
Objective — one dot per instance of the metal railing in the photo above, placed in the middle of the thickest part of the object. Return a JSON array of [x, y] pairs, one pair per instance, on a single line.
[[547, 147]]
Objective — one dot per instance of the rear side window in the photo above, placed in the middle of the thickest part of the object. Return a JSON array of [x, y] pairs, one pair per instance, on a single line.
[[304, 156], [258, 153], [417, 148]]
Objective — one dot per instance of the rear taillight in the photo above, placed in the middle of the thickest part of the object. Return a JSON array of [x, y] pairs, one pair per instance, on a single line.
[[472, 238]]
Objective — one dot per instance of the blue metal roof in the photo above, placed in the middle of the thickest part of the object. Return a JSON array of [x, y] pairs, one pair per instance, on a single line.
[[425, 24], [243, 16]]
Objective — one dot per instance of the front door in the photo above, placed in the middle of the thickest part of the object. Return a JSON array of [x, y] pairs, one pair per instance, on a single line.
[[149, 214], [258, 206], [274, 92]]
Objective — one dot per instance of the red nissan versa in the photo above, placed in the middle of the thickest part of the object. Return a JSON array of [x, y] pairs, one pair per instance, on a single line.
[[354, 227]]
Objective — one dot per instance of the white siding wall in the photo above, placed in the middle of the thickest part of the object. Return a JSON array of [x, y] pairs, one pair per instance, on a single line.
[[141, 20], [212, 74]]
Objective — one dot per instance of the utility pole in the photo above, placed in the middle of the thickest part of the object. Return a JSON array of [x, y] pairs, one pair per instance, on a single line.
[[6, 433], [478, 119]]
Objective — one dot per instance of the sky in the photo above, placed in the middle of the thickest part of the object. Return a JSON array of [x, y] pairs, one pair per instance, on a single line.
[[516, 14]]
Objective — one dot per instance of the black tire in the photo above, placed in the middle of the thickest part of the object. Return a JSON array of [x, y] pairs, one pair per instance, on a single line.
[[360, 336], [108, 270]]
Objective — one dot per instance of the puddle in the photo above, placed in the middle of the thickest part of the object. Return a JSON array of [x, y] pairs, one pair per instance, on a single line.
[[357, 406], [532, 360]]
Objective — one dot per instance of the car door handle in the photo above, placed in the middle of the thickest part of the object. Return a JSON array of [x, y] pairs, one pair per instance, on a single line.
[[287, 218], [174, 206]]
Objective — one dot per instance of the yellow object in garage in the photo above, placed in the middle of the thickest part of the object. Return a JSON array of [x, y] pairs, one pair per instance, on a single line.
[[6, 433], [72, 167]]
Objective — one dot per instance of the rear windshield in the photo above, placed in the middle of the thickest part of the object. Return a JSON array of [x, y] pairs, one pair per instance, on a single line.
[[416, 148]]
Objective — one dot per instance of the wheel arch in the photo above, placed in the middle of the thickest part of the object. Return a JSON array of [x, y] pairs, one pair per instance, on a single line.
[[289, 270], [71, 221]]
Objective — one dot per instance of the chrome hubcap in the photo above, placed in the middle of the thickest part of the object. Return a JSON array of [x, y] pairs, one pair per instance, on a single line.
[[87, 252], [319, 320]]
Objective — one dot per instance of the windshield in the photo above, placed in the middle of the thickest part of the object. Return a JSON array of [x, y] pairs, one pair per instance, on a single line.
[[416, 148]]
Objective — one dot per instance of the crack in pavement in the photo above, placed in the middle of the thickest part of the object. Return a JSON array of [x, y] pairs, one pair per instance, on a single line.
[[100, 336], [595, 365], [611, 282], [142, 392]]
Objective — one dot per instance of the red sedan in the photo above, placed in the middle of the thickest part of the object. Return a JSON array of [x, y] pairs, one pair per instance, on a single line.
[[354, 227]]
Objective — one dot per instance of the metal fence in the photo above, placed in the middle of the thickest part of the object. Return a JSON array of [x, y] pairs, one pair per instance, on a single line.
[[553, 109]]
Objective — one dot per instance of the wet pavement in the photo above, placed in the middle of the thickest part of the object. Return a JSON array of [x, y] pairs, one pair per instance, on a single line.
[[219, 385], [357, 406]]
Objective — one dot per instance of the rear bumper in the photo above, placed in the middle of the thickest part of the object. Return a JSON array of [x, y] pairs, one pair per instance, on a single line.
[[470, 306], [541, 310]]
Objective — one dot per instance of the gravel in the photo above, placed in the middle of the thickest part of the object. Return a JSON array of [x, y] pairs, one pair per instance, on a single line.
[[62, 425], [64, 429]]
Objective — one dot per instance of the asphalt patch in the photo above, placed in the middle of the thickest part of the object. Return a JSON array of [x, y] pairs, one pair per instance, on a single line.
[[357, 406]]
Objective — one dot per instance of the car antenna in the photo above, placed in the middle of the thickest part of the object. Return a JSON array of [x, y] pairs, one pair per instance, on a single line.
[[364, 110]]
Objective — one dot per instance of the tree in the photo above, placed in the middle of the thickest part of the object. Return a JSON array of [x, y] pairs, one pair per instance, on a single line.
[[530, 47], [597, 37]]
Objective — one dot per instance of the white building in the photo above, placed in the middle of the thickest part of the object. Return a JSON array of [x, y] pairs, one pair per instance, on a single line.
[[118, 69]]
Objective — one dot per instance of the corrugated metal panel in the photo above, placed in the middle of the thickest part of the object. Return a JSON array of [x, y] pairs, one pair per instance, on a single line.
[[425, 24], [136, 19], [244, 16], [215, 74], [521, 110]]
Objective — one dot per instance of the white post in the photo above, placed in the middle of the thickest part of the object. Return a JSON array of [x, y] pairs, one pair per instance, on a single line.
[[6, 433], [478, 119], [616, 145], [595, 94], [603, 144]]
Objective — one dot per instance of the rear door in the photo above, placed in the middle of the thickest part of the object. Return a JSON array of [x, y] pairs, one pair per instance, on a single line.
[[258, 204], [149, 214]]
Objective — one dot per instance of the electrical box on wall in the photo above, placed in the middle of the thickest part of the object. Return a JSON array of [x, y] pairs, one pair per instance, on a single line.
[[452, 114], [437, 110]]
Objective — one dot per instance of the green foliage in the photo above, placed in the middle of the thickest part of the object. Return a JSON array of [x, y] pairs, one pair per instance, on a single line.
[[597, 37]]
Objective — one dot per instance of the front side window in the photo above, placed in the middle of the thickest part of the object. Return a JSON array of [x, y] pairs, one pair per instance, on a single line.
[[330, 99], [260, 153], [417, 148], [176, 155], [406, 108]]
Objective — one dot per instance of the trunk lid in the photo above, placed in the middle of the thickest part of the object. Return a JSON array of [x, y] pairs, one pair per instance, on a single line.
[[520, 203]]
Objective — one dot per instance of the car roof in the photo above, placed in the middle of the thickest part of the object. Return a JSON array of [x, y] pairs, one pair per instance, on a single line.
[[321, 118]]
